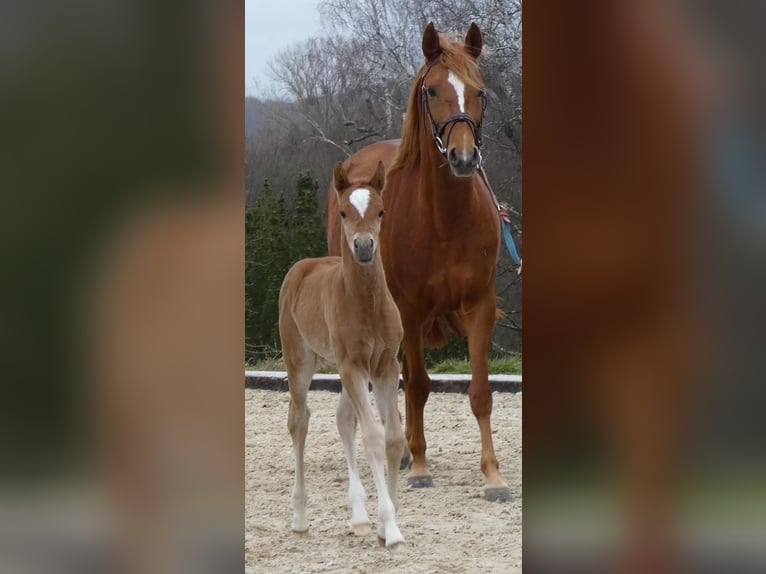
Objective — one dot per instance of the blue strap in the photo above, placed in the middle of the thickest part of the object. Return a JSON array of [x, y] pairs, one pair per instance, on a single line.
[[509, 241]]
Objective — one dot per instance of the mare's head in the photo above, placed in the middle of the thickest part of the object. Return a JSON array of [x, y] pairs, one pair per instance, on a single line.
[[453, 97], [361, 211]]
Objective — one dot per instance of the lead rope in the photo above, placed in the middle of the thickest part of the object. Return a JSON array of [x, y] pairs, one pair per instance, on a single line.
[[505, 222]]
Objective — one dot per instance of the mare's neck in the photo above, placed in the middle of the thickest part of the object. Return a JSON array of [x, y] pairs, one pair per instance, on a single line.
[[447, 198]]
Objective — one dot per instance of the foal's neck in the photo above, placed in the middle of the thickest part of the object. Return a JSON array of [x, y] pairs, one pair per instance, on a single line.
[[365, 282]]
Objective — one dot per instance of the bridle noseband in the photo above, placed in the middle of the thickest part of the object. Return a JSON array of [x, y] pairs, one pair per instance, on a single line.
[[437, 132]]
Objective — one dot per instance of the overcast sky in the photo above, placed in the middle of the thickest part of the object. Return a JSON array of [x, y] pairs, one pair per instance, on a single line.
[[270, 26]]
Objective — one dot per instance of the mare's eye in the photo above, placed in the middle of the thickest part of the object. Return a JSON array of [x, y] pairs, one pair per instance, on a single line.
[[431, 91], [381, 213], [343, 215]]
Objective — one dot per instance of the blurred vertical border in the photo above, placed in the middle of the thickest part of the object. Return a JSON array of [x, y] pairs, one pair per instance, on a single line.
[[121, 417], [645, 219]]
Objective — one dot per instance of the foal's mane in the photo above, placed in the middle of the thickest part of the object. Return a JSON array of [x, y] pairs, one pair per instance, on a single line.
[[454, 57]]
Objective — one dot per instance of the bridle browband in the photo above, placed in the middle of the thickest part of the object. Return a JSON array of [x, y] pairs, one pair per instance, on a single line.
[[437, 132]]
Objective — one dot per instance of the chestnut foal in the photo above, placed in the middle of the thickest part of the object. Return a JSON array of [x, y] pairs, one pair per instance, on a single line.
[[340, 309]]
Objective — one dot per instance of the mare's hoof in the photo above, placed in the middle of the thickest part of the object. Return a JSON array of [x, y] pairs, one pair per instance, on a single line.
[[497, 494], [420, 482], [406, 461], [361, 529]]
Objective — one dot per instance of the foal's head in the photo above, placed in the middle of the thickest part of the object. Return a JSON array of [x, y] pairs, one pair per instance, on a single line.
[[361, 210], [454, 99]]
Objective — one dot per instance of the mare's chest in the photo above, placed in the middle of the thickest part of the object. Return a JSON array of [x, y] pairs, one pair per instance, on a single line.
[[424, 265]]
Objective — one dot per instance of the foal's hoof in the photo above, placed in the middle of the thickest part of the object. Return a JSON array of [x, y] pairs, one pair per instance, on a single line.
[[361, 529], [497, 494], [420, 482], [394, 546], [301, 533]]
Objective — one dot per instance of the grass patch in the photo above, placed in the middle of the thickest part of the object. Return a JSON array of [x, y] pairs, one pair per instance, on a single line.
[[500, 366]]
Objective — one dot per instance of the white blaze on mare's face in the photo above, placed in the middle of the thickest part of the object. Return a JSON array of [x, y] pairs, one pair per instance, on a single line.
[[459, 86], [360, 198]]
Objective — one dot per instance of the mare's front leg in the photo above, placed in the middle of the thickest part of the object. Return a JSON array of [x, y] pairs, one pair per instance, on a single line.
[[357, 498], [417, 387], [479, 323]]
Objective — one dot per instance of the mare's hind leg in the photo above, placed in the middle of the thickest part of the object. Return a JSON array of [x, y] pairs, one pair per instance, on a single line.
[[300, 362], [385, 388], [355, 383], [416, 390], [357, 498], [479, 324]]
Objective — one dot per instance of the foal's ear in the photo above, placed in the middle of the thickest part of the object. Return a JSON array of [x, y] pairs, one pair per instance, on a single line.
[[339, 179], [473, 41], [431, 47], [378, 180]]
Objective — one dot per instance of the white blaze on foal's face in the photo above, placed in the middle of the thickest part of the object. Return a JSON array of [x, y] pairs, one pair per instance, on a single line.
[[360, 199], [459, 86]]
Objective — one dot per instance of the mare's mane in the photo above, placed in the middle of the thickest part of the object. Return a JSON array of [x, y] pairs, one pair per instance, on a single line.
[[454, 57]]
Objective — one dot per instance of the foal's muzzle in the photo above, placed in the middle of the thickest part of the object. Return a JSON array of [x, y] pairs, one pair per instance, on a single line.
[[464, 165], [364, 248]]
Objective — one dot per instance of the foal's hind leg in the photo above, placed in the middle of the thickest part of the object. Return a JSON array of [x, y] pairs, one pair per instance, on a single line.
[[355, 383], [300, 362], [357, 498]]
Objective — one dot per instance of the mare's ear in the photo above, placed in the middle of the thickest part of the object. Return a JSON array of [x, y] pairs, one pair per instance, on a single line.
[[431, 47], [473, 41], [378, 180], [339, 179]]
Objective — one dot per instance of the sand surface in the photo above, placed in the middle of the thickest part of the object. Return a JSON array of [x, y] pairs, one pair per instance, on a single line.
[[447, 529]]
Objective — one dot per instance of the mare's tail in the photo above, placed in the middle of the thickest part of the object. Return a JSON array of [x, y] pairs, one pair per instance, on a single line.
[[437, 332]]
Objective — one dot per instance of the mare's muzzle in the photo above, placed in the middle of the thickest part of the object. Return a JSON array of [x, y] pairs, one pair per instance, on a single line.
[[464, 164]]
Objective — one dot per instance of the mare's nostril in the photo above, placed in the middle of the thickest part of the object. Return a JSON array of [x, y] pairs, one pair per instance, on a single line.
[[452, 156]]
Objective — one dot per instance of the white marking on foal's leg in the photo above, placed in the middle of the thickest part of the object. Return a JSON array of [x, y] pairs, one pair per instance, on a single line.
[[360, 198], [357, 498], [459, 86]]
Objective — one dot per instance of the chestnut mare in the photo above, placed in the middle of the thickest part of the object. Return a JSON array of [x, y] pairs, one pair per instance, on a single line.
[[440, 240], [339, 308]]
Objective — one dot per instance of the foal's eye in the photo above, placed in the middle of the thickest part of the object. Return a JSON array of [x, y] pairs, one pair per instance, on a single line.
[[381, 213], [343, 215], [431, 91]]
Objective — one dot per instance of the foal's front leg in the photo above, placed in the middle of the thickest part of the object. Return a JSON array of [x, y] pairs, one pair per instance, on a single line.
[[355, 382], [385, 386], [357, 498]]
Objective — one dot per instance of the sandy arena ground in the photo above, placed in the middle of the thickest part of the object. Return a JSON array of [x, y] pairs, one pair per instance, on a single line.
[[448, 529]]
